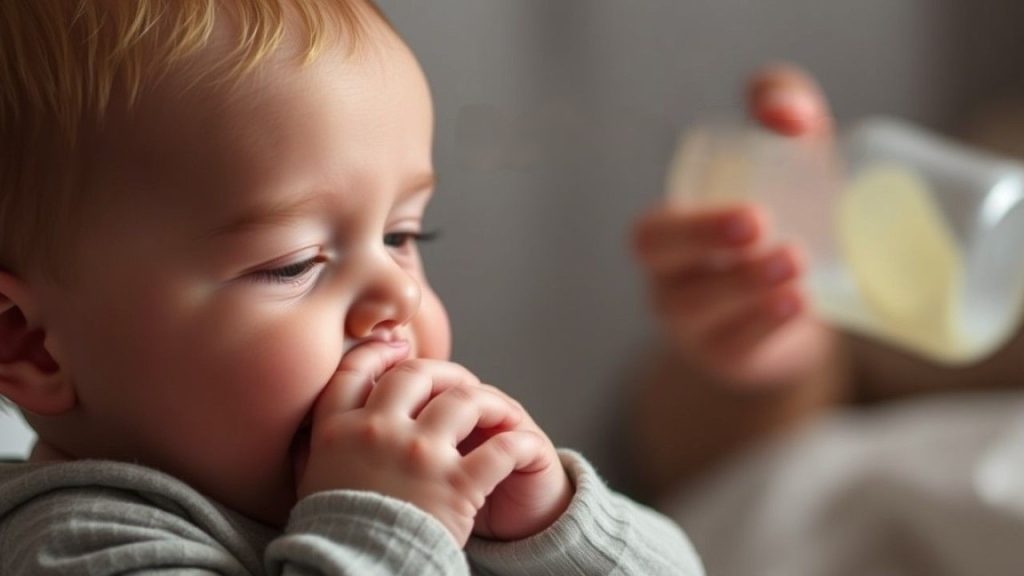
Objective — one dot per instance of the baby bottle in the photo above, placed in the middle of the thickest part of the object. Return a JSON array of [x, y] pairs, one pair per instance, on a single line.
[[912, 239]]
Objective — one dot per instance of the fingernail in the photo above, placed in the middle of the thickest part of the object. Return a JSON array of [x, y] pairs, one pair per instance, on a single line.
[[792, 101], [738, 228]]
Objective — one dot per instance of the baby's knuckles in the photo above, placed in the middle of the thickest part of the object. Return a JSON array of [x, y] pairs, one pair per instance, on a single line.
[[517, 408], [458, 482], [412, 367], [425, 456], [355, 430]]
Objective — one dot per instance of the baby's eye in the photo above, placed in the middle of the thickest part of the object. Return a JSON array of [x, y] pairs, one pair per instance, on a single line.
[[402, 239], [290, 273]]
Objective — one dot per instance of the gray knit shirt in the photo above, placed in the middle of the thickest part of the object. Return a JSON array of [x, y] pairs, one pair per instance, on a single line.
[[97, 517]]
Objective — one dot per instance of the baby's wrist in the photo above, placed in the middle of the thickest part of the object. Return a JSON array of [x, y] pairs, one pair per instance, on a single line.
[[560, 504]]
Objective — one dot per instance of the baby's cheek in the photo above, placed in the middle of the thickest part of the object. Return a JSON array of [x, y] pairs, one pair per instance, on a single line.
[[310, 360], [290, 365]]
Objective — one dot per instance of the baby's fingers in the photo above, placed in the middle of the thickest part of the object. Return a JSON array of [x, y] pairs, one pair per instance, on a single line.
[[672, 238], [358, 371], [501, 455], [458, 411], [408, 387]]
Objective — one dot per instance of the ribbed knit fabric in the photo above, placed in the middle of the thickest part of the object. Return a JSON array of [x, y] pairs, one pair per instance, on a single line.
[[95, 517]]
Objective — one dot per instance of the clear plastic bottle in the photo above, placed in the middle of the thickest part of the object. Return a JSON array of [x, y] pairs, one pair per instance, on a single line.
[[912, 239]]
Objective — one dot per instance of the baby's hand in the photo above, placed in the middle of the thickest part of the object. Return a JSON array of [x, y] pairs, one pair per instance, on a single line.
[[396, 429], [531, 498]]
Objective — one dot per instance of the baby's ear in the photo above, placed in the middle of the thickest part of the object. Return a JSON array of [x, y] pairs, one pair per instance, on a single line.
[[29, 376]]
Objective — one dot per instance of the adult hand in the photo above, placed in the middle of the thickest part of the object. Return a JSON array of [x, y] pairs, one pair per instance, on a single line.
[[732, 304]]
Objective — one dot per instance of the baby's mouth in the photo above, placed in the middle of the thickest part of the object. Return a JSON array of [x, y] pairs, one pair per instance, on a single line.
[[388, 336]]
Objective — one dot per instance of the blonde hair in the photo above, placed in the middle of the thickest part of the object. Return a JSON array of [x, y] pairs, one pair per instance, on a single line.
[[62, 61]]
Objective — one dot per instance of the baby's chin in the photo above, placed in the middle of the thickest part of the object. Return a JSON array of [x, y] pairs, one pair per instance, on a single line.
[[274, 509], [263, 492]]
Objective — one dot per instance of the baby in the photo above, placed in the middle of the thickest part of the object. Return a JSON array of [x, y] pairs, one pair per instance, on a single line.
[[214, 315]]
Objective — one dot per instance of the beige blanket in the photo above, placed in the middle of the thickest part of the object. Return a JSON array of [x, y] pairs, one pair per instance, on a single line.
[[928, 487]]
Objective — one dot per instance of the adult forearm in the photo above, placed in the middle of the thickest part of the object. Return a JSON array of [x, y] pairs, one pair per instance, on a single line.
[[881, 373], [684, 421]]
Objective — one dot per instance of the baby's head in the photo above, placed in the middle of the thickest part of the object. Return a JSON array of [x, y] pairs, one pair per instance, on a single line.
[[204, 206]]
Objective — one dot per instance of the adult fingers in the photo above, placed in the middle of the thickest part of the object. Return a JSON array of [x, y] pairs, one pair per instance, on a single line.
[[673, 237], [700, 299], [750, 327], [786, 99]]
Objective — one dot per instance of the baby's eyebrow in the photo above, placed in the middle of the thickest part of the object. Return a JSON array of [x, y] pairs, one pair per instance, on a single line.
[[275, 214], [419, 183]]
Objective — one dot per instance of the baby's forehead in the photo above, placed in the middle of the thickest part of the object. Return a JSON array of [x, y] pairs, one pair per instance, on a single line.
[[270, 129], [228, 90]]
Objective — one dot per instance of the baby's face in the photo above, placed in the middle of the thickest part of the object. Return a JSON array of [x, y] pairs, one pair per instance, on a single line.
[[243, 245]]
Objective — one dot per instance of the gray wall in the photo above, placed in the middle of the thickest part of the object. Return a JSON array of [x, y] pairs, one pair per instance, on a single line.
[[555, 119]]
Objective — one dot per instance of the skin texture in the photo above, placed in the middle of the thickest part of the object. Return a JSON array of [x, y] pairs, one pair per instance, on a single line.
[[248, 309]]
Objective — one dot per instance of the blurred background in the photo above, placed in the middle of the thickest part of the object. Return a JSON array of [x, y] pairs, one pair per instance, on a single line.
[[554, 124]]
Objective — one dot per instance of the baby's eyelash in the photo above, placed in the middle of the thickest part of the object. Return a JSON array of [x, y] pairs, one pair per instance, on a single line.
[[296, 272], [399, 239], [290, 273]]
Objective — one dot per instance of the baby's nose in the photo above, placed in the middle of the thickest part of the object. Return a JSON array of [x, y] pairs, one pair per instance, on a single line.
[[389, 298]]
